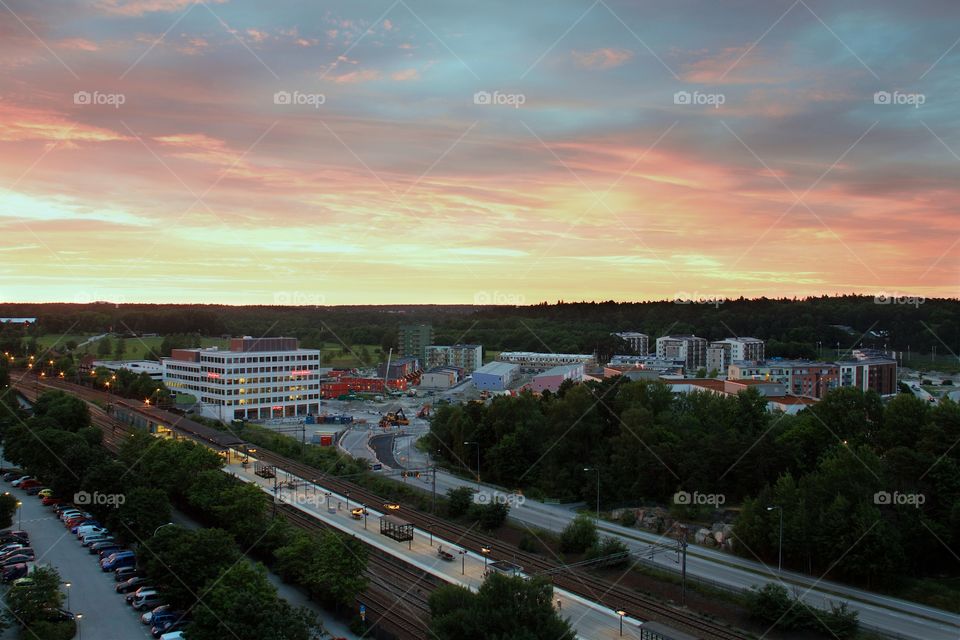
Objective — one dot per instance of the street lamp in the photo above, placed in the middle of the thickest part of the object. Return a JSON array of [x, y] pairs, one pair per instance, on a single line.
[[780, 544], [597, 469], [161, 527], [79, 617], [478, 461], [621, 613], [68, 585], [484, 551], [364, 507], [463, 561], [20, 516]]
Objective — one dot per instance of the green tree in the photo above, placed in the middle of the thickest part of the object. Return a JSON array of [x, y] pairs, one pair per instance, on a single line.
[[120, 349], [143, 510], [459, 501], [183, 562], [8, 507], [32, 603], [579, 535], [104, 346], [504, 607], [242, 603]]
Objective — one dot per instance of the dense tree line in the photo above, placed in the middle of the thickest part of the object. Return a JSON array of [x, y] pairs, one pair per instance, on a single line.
[[828, 467], [197, 570], [792, 326]]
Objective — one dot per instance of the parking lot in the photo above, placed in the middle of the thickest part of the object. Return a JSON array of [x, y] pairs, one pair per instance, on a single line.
[[106, 615]]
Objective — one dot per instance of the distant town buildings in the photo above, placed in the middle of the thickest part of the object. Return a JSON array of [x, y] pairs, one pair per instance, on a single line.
[[870, 373], [496, 376], [468, 357], [150, 367], [551, 379], [639, 342], [720, 353], [441, 377], [414, 339], [18, 321], [407, 367], [256, 378], [691, 349], [532, 361]]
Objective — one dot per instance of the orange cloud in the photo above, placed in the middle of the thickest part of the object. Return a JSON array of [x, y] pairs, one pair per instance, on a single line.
[[406, 74], [601, 58], [79, 44], [24, 123], [140, 7], [354, 77]]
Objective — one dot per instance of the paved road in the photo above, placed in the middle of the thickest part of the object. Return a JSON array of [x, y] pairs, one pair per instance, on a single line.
[[106, 615]]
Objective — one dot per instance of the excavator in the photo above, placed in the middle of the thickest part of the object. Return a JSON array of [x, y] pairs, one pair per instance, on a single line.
[[394, 419], [424, 411]]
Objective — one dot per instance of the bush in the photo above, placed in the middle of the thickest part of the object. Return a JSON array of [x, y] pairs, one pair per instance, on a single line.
[[610, 546], [772, 605], [580, 535], [489, 516], [628, 518], [8, 506], [45, 630], [459, 501]]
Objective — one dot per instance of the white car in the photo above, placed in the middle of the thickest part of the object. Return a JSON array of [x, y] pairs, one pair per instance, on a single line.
[[16, 483], [91, 529], [173, 635]]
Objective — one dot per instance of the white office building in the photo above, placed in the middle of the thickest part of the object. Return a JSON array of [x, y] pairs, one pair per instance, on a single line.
[[255, 379]]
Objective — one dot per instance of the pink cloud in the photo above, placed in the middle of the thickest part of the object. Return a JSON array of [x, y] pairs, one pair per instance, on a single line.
[[78, 44], [601, 58], [406, 74], [141, 7], [355, 77]]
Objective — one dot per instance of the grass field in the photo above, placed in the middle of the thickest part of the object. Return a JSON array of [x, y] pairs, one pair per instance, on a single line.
[[332, 355]]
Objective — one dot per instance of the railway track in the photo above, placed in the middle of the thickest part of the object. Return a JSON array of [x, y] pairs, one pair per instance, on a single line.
[[395, 588], [573, 580], [576, 581]]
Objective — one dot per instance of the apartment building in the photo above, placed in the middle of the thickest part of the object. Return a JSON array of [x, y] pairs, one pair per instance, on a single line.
[[532, 361], [413, 340], [255, 379], [639, 342], [740, 348], [691, 349], [468, 357]]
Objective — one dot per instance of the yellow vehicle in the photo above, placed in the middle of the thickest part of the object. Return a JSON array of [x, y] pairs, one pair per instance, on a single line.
[[45, 493]]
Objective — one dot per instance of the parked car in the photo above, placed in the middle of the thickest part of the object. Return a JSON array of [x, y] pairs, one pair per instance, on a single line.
[[13, 546], [146, 600], [125, 573], [162, 628], [131, 585], [16, 482], [50, 500], [87, 529], [28, 483], [43, 493], [16, 571], [59, 615], [12, 475], [24, 551], [176, 635], [17, 559], [85, 523], [111, 545], [163, 617], [34, 490], [117, 560], [89, 540], [147, 618], [12, 537]]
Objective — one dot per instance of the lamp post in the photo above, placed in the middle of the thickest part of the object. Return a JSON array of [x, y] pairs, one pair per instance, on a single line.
[[597, 469], [364, 507], [327, 494], [478, 461], [484, 551], [463, 561], [19, 515], [348, 502], [68, 585], [621, 613], [780, 544], [79, 617], [161, 527]]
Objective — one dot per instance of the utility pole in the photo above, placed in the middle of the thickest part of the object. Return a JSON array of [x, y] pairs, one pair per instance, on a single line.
[[683, 566], [433, 503]]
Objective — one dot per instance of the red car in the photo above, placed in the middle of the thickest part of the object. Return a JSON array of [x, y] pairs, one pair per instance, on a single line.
[[50, 500], [72, 522], [26, 484]]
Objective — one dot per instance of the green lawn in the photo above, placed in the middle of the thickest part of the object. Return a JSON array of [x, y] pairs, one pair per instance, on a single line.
[[50, 339], [145, 348], [337, 356]]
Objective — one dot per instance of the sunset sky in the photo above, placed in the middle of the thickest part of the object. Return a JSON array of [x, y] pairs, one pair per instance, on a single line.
[[149, 151]]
